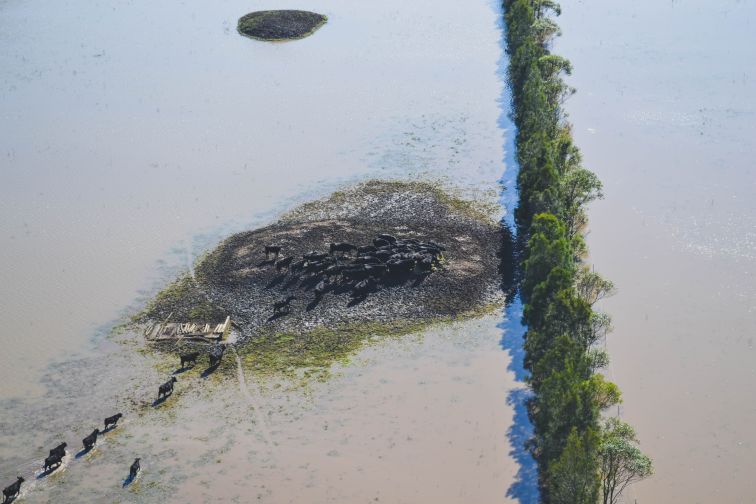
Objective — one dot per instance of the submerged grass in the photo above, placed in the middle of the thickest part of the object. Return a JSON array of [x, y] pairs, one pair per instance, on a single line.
[[312, 354]]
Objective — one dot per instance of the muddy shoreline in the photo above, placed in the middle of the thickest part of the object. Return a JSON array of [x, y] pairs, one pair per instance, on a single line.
[[237, 279]]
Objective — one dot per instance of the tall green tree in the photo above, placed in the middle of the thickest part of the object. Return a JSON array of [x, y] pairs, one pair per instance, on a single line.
[[573, 478], [621, 461]]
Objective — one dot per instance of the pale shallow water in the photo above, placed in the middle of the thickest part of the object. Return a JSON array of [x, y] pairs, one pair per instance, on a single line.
[[415, 419], [134, 136], [666, 115]]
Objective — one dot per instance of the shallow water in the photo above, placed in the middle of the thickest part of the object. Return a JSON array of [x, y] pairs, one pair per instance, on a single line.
[[665, 115], [134, 136]]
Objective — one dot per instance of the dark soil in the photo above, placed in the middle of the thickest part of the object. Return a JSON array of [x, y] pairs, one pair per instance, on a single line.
[[236, 279], [280, 24]]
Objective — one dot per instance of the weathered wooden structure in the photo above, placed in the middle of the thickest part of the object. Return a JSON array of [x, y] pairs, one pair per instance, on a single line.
[[189, 330]]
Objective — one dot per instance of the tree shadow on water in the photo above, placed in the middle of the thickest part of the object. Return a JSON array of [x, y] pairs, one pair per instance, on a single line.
[[525, 486]]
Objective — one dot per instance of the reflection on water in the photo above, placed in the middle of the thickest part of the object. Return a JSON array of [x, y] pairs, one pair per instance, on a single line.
[[665, 115], [524, 488]]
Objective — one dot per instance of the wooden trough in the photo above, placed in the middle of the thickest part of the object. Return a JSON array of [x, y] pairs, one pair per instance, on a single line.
[[189, 330]]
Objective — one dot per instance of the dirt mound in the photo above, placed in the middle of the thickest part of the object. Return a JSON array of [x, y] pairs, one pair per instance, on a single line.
[[280, 24], [237, 278]]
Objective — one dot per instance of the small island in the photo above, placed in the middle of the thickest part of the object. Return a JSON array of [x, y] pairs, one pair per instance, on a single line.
[[280, 25], [381, 258]]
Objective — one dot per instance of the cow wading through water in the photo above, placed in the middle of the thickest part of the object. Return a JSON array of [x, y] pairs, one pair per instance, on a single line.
[[134, 469], [11, 491], [112, 421], [90, 440], [52, 462], [59, 450]]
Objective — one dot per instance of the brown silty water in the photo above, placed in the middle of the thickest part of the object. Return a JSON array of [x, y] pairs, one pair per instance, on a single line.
[[135, 136], [665, 115]]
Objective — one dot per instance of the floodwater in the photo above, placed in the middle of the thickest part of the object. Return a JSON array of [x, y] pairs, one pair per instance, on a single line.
[[135, 135], [666, 114]]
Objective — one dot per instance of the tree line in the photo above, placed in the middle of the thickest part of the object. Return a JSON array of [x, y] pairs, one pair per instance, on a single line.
[[583, 456]]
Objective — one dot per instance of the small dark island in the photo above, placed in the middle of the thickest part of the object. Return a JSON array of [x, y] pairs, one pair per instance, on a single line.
[[279, 25]]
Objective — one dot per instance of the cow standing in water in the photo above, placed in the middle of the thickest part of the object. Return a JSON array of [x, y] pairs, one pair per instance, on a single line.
[[11, 491], [53, 461], [134, 469], [112, 421], [90, 440], [59, 450]]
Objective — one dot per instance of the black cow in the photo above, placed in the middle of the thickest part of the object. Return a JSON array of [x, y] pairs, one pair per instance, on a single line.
[[189, 358], [366, 249], [341, 247], [59, 450], [355, 274], [334, 270], [363, 288], [388, 238], [166, 388], [52, 461], [322, 288], [11, 491], [426, 264], [112, 420], [383, 255], [214, 357], [396, 266], [297, 266], [272, 249], [284, 263], [134, 469], [376, 270], [90, 440], [315, 256], [367, 260], [380, 242], [316, 266], [283, 305]]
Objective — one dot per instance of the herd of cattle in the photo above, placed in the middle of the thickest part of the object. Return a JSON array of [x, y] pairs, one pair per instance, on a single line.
[[55, 458], [361, 269], [386, 259]]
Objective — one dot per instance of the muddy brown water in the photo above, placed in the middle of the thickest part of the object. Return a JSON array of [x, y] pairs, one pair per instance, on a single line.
[[665, 114], [134, 136]]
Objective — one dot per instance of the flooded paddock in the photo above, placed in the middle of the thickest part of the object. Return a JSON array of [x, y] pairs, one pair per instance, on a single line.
[[665, 115], [135, 135]]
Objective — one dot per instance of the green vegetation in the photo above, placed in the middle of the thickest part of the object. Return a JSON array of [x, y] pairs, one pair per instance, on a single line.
[[234, 280], [314, 352], [580, 460], [279, 25], [181, 300]]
